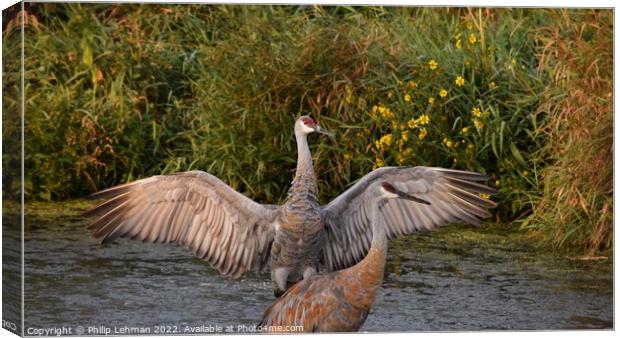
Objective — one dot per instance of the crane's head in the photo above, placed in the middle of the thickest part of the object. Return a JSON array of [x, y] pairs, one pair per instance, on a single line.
[[386, 190], [306, 125]]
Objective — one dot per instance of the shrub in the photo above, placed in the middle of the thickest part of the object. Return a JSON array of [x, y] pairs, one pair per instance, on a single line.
[[118, 92]]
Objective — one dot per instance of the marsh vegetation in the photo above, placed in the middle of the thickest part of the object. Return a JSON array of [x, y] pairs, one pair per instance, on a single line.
[[118, 92]]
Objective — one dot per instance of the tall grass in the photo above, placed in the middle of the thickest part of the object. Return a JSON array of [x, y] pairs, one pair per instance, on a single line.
[[575, 208], [11, 106], [119, 92]]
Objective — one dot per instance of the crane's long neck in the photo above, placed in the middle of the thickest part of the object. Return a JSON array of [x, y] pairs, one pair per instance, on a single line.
[[374, 262], [379, 235], [367, 275], [304, 157], [300, 214]]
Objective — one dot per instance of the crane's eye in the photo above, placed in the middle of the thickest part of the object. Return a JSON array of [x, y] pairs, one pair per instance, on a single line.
[[388, 187]]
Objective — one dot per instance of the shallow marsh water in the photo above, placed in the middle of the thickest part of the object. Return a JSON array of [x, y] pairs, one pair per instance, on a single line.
[[459, 278]]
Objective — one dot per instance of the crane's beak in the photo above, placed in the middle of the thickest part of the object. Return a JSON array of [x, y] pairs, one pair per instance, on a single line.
[[320, 130], [411, 197]]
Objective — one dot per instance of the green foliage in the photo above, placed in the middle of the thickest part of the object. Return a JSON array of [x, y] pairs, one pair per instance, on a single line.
[[463, 96], [11, 111], [119, 92], [126, 91]]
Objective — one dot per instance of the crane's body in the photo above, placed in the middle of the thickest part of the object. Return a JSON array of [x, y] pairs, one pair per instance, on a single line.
[[297, 242], [297, 239], [340, 300]]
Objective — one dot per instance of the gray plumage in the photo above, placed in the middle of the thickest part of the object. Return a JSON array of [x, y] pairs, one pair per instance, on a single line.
[[339, 301], [194, 209], [454, 196], [235, 234]]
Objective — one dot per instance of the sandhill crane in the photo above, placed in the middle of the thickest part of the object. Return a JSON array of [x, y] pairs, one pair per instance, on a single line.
[[235, 234], [340, 300]]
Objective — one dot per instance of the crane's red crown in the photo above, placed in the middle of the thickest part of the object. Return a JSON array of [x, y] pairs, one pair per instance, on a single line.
[[307, 120], [388, 187]]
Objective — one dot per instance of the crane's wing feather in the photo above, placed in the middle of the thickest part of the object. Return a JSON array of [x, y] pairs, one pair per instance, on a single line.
[[194, 209], [454, 196]]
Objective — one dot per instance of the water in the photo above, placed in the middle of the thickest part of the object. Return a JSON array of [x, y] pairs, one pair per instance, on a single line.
[[457, 279]]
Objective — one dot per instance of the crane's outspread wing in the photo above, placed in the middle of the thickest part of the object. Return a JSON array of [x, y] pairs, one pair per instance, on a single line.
[[194, 209], [453, 195]]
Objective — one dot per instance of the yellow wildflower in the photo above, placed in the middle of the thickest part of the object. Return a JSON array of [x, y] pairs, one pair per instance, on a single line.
[[390, 94], [449, 144], [458, 44], [472, 38], [404, 135], [385, 141], [424, 119], [464, 130], [470, 146], [497, 183], [378, 163], [385, 112], [374, 109], [348, 97], [412, 123], [431, 100], [443, 92], [407, 98], [479, 125], [460, 81], [432, 64], [412, 84], [492, 85], [422, 134], [404, 155], [525, 173], [476, 112]]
